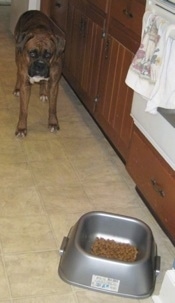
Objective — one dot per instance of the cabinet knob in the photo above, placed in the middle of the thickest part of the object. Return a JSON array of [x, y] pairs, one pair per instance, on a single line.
[[157, 188], [58, 3], [127, 13]]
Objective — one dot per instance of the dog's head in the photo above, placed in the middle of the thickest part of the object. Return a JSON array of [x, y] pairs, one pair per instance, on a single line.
[[40, 50]]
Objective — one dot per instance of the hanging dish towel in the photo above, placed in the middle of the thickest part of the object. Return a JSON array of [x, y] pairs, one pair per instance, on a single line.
[[145, 73], [163, 94]]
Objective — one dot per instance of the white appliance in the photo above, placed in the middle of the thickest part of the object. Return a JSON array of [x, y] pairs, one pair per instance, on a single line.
[[167, 291], [18, 7], [156, 128]]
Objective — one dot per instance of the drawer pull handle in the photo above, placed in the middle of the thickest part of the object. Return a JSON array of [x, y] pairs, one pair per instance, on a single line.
[[58, 4], [127, 13], [157, 188]]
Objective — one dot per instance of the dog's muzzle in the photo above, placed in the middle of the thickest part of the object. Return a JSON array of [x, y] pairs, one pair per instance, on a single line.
[[38, 68]]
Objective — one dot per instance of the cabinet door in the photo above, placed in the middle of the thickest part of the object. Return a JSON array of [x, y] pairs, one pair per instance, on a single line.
[[115, 97], [93, 46], [74, 45], [83, 53]]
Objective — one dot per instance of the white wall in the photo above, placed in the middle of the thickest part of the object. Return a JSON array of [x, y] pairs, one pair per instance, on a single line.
[[20, 6], [34, 4]]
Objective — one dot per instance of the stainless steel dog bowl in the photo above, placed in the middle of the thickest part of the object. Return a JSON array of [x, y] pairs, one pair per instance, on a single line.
[[131, 279]]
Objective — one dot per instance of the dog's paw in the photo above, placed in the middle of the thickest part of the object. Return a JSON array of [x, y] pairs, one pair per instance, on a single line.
[[21, 133], [43, 98], [16, 92], [53, 128]]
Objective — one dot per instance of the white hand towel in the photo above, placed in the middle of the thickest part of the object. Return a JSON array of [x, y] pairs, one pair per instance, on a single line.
[[146, 66], [163, 94]]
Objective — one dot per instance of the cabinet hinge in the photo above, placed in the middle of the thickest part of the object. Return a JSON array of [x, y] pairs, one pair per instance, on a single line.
[[103, 35], [96, 99], [95, 103]]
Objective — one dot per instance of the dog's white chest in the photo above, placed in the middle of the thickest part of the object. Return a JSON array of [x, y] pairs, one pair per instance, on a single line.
[[37, 79]]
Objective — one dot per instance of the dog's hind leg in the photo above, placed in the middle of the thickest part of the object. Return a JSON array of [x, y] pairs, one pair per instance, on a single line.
[[44, 91]]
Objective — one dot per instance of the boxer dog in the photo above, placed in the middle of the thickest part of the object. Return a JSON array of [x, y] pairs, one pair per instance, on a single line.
[[39, 50]]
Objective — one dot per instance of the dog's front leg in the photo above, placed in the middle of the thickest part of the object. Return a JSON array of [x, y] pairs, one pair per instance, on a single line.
[[25, 90], [44, 90], [53, 93]]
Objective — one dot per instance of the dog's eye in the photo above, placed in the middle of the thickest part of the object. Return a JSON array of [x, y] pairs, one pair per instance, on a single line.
[[47, 55], [33, 54]]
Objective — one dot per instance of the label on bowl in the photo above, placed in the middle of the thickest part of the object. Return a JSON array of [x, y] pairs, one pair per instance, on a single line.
[[105, 283]]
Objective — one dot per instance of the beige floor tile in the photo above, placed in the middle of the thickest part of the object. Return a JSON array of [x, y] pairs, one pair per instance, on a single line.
[[15, 174], [8, 132], [68, 111], [96, 297], [147, 300], [4, 288], [12, 152], [35, 274], [44, 150], [19, 201], [111, 195], [70, 298], [91, 147], [8, 121], [53, 173], [21, 234], [74, 129], [92, 159], [68, 199], [62, 223], [95, 170], [8, 118]]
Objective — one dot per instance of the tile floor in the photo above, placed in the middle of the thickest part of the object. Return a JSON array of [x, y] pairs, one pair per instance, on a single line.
[[47, 182]]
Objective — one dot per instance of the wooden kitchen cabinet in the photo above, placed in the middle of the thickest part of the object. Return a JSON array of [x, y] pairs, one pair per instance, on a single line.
[[114, 102], [101, 39], [154, 179]]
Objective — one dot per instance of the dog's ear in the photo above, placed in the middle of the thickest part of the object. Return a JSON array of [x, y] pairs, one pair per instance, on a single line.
[[22, 39], [60, 44]]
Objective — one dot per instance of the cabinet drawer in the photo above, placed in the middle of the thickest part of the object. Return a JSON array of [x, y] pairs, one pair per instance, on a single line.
[[128, 13], [155, 179]]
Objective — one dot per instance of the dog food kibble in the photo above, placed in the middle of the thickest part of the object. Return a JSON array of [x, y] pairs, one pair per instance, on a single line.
[[113, 250]]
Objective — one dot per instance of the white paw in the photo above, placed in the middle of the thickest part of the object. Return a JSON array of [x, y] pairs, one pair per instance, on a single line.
[[43, 98], [20, 134], [16, 93], [53, 129]]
